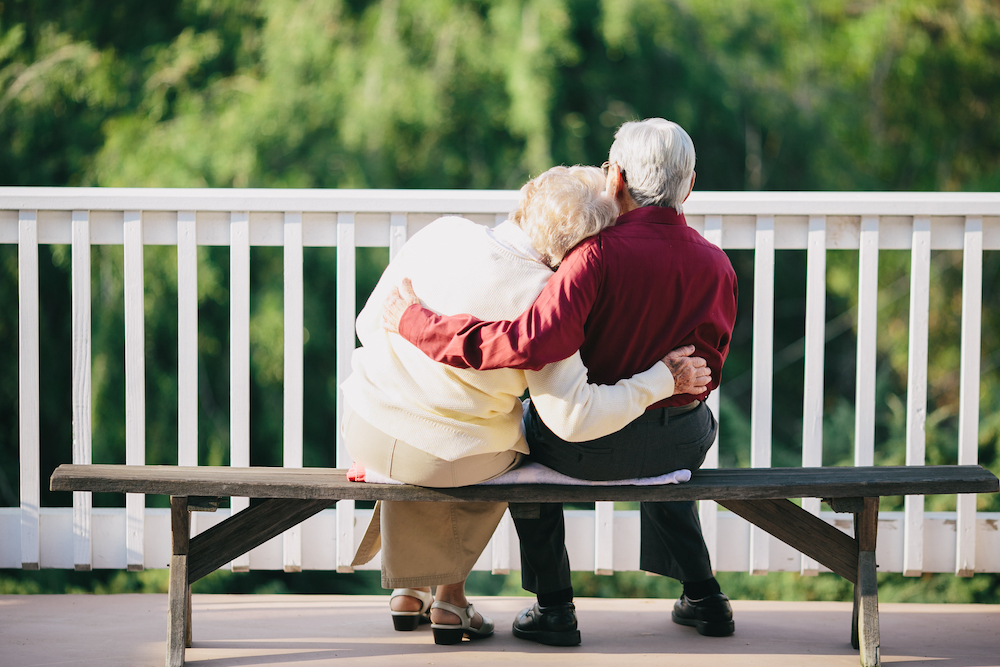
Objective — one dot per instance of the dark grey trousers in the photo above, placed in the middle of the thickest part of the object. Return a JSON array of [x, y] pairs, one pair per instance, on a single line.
[[655, 444]]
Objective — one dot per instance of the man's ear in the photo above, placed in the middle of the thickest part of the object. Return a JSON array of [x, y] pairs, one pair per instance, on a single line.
[[617, 189], [691, 187]]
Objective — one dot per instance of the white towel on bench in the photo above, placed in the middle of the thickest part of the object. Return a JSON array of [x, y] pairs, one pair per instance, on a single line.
[[536, 473]]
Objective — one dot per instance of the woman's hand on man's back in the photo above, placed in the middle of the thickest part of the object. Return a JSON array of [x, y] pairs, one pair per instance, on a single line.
[[691, 374]]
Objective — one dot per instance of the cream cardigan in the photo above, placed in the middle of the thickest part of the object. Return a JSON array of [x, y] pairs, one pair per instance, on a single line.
[[458, 266]]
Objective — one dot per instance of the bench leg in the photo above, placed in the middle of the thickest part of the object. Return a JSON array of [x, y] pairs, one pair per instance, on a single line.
[[178, 609], [867, 614], [855, 640], [187, 629], [177, 612], [864, 630]]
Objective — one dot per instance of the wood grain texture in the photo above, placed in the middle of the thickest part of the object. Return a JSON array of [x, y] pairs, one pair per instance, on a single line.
[[332, 484], [799, 529], [847, 505], [868, 630], [243, 531], [177, 611], [180, 525], [855, 640], [866, 525]]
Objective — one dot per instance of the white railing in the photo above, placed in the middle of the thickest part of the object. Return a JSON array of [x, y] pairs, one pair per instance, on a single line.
[[604, 540]]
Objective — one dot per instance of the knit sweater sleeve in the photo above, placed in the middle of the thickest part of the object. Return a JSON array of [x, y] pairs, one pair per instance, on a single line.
[[577, 411]]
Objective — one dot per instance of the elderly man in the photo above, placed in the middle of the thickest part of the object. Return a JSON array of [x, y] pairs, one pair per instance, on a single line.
[[624, 298]]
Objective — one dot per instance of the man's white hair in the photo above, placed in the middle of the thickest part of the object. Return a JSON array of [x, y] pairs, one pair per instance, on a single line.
[[658, 159], [561, 207]]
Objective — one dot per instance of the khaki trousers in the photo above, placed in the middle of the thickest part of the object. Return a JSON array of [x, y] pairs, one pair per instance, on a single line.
[[424, 543]]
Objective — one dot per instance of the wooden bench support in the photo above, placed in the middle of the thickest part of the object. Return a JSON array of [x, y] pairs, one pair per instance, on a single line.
[[865, 631], [853, 559], [247, 529], [290, 496], [192, 559], [801, 530], [178, 609]]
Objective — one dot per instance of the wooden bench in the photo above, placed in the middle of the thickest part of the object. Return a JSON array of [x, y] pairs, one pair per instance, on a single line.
[[287, 497]]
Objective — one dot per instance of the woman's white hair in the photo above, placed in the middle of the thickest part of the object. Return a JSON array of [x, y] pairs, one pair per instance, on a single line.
[[561, 207], [658, 159]]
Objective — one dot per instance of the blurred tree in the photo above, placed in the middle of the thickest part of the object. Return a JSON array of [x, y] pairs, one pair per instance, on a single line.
[[777, 94]]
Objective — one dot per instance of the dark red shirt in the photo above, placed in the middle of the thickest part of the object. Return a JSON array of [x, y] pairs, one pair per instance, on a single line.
[[624, 298]]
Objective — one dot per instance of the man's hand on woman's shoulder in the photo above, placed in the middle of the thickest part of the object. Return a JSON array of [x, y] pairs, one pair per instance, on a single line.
[[399, 299], [691, 374]]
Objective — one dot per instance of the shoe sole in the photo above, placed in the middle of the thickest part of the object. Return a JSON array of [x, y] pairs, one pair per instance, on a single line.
[[570, 638], [406, 623], [450, 636], [704, 627]]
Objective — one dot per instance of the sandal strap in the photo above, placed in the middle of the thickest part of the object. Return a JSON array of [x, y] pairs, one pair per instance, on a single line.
[[426, 597], [464, 613]]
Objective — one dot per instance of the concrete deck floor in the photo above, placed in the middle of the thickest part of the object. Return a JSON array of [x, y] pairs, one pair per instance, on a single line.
[[264, 630]]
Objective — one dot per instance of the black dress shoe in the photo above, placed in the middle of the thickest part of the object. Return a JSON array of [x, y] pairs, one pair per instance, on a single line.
[[554, 625], [711, 616]]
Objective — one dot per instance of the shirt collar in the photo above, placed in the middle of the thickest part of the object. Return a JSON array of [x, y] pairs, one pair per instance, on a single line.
[[513, 238], [655, 214]]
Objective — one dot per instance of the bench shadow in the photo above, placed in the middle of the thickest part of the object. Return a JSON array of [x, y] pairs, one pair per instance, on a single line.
[[810, 634]]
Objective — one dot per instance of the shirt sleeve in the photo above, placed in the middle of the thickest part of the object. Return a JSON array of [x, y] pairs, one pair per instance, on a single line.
[[550, 330], [577, 411]]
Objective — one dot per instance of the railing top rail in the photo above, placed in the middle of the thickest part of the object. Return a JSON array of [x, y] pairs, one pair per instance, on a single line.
[[258, 199], [484, 201]]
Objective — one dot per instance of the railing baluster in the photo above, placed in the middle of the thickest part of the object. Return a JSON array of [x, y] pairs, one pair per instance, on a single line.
[[968, 402], [916, 391], [293, 381], [239, 357], [708, 510], [187, 340], [604, 538], [187, 344], [500, 563], [28, 385], [812, 406], [763, 356], [82, 445], [346, 262], [60, 223], [135, 384], [864, 401]]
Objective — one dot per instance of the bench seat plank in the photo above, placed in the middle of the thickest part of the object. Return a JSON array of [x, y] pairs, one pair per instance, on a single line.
[[720, 484], [290, 495]]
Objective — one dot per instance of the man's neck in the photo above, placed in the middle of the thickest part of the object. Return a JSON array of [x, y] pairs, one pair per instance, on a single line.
[[626, 203]]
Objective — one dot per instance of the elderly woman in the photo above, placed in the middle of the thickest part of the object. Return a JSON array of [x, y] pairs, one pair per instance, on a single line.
[[424, 423]]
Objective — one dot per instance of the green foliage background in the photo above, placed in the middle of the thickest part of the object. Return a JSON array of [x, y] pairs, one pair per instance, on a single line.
[[777, 94]]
